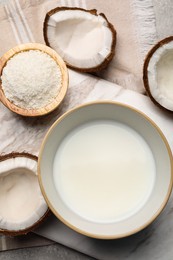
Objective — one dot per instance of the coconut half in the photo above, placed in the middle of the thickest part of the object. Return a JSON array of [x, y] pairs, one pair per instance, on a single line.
[[84, 39], [158, 74], [22, 206]]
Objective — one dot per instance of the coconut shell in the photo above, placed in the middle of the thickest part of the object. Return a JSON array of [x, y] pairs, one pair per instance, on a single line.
[[145, 70], [44, 217], [107, 60]]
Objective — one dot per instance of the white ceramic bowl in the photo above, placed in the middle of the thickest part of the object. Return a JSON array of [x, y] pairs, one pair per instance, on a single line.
[[140, 197]]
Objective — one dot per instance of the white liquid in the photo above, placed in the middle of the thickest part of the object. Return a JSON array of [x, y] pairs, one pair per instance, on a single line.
[[104, 171]]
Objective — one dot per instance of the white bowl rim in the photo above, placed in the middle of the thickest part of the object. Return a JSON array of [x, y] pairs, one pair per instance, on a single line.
[[160, 209]]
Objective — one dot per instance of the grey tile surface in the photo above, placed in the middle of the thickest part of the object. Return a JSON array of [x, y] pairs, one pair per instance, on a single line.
[[29, 240], [50, 252]]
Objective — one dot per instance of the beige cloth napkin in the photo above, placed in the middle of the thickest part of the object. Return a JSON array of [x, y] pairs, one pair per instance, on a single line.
[[21, 21], [137, 24]]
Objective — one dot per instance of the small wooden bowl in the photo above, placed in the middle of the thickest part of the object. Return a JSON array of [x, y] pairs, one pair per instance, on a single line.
[[61, 94]]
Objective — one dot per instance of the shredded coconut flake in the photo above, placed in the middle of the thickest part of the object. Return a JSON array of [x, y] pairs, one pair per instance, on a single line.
[[31, 79]]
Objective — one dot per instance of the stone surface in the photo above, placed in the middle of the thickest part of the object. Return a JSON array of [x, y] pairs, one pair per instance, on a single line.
[[50, 252], [23, 241]]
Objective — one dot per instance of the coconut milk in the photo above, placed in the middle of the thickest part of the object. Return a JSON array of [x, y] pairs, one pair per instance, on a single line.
[[104, 171]]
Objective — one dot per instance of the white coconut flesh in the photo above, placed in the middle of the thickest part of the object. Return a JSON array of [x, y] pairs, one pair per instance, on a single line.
[[82, 39], [21, 201], [160, 75]]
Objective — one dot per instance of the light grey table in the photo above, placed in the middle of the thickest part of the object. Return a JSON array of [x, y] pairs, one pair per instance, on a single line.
[[49, 252], [43, 249]]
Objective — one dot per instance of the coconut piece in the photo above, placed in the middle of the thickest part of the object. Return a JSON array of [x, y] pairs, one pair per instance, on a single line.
[[22, 206], [85, 40], [158, 75]]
